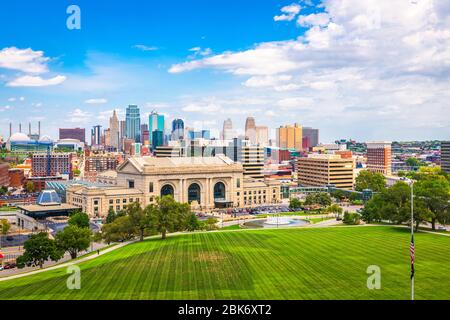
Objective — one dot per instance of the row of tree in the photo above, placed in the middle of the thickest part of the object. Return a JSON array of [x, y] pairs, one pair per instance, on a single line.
[[431, 201], [75, 238], [164, 217]]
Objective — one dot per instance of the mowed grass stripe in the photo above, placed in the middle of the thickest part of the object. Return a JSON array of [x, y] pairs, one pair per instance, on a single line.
[[322, 263]]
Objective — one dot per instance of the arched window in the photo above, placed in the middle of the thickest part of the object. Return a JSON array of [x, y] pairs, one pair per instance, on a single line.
[[167, 190], [194, 193], [219, 191]]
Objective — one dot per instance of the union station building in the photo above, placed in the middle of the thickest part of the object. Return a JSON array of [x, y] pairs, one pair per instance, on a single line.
[[207, 183]]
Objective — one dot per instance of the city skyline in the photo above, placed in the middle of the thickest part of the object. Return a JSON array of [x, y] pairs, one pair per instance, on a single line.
[[297, 71]]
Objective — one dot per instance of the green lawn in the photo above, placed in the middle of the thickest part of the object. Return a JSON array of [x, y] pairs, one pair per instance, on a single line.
[[318, 263]]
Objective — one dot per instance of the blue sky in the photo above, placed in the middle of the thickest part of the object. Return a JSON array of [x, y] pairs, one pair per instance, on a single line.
[[318, 63]]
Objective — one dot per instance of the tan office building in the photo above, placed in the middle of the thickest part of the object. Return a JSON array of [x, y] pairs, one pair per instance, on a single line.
[[326, 169], [290, 137]]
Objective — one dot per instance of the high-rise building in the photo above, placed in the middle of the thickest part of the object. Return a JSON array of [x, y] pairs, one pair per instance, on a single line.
[[203, 134], [227, 132], [157, 139], [155, 123], [445, 156], [133, 123], [114, 131], [250, 130], [252, 159], [107, 137], [177, 129], [379, 157], [44, 165], [96, 136], [123, 129], [326, 169], [73, 133], [262, 136], [290, 137], [310, 138]]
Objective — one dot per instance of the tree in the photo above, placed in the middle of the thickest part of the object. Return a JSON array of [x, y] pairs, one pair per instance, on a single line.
[[111, 216], [211, 224], [141, 219], [351, 218], [434, 191], [413, 163], [193, 223], [29, 187], [169, 215], [73, 239], [121, 229], [295, 203], [3, 190], [321, 199], [39, 249], [334, 208], [4, 226], [338, 194], [370, 180], [79, 219]]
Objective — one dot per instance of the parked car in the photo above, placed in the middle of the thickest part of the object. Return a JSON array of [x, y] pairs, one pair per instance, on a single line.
[[1, 268], [442, 228]]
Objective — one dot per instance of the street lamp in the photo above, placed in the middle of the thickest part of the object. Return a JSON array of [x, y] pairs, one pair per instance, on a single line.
[[412, 244]]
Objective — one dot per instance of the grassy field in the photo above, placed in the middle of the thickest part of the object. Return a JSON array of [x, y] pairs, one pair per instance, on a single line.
[[317, 263]]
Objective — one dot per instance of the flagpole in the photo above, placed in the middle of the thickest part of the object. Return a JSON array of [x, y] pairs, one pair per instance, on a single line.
[[412, 236]]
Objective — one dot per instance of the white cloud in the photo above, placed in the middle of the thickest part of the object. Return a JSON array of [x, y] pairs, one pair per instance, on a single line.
[[36, 81], [25, 60], [266, 81], [289, 12], [5, 108], [199, 52], [355, 59], [12, 99], [96, 101], [79, 116], [296, 103], [315, 19], [202, 108], [145, 48]]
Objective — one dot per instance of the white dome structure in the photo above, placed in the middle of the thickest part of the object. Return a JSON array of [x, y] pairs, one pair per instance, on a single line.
[[19, 137], [45, 139]]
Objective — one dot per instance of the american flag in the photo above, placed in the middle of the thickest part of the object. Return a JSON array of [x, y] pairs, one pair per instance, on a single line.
[[412, 251]]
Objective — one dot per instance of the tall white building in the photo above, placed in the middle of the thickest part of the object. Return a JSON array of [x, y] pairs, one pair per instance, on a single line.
[[228, 132], [114, 131]]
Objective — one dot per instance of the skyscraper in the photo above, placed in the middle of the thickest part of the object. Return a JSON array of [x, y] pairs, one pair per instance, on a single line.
[[123, 129], [290, 137], [96, 135], [133, 123], [155, 123], [177, 129], [310, 137], [262, 136], [445, 156], [227, 132], [379, 157], [114, 131], [250, 130]]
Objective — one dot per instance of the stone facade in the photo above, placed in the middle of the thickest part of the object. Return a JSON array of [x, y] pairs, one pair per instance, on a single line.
[[206, 183]]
